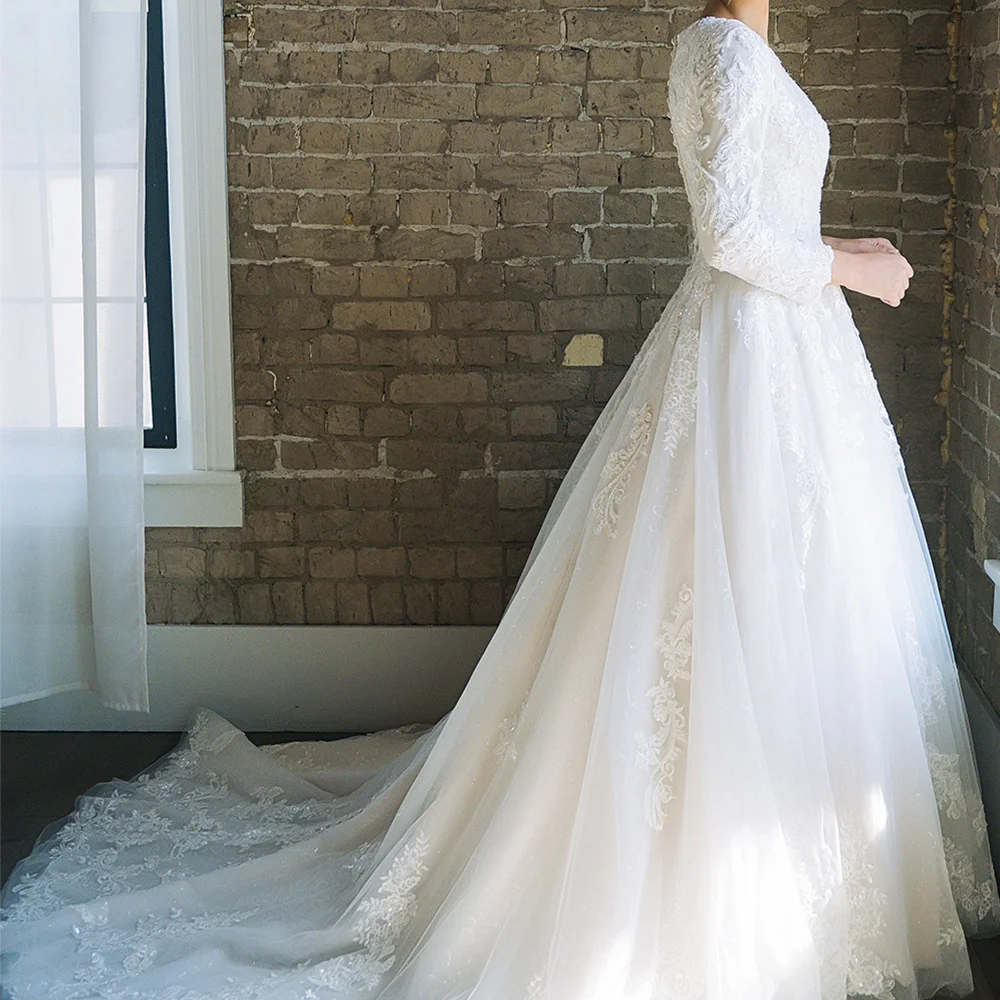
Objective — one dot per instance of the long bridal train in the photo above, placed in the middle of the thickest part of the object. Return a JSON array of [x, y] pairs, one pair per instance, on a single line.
[[715, 750]]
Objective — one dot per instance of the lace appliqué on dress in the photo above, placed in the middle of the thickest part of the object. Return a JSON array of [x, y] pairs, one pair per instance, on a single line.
[[975, 899], [659, 751], [868, 973], [135, 951], [617, 471], [86, 857], [382, 919], [505, 747]]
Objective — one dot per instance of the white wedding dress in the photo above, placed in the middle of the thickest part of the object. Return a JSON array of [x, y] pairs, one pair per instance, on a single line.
[[715, 750]]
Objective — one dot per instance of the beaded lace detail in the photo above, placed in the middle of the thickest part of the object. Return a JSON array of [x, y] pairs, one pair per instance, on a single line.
[[658, 752]]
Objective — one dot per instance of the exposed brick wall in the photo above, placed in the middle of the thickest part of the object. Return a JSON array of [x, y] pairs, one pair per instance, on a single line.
[[452, 226], [973, 508]]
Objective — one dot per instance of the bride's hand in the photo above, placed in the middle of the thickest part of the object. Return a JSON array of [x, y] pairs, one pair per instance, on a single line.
[[867, 244], [881, 274]]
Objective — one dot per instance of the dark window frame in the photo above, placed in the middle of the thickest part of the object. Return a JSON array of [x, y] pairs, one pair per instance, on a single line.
[[159, 284]]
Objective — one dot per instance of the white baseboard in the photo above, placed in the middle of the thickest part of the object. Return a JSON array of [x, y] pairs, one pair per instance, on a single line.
[[267, 678], [985, 724]]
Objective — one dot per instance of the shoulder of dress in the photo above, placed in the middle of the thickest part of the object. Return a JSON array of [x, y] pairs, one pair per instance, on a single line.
[[726, 38]]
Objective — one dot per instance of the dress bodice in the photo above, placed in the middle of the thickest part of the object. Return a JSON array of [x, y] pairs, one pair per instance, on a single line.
[[753, 150]]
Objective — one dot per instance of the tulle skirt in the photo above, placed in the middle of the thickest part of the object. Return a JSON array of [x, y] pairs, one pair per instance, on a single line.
[[715, 750]]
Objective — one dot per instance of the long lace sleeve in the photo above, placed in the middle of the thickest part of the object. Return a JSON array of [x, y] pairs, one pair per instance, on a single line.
[[733, 232]]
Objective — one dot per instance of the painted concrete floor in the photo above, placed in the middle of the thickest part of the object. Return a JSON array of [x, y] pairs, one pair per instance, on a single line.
[[41, 774]]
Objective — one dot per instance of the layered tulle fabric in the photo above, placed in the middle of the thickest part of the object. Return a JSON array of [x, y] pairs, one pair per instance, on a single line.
[[715, 750]]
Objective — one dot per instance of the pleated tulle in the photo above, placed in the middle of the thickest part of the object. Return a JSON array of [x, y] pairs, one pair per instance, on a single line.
[[715, 749]]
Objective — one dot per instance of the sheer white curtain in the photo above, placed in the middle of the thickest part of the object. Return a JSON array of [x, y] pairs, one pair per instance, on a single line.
[[72, 597]]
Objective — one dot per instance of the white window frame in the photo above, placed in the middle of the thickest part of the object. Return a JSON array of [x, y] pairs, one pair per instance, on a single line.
[[992, 567], [197, 483]]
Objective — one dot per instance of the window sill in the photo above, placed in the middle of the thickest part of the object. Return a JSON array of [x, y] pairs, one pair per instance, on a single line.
[[194, 500], [992, 567]]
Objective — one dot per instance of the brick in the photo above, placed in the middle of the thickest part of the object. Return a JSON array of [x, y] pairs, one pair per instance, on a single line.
[[435, 388], [533, 421], [282, 561], [312, 67], [325, 244], [627, 100], [432, 563], [540, 101], [441, 527], [429, 101], [347, 527], [229, 564], [530, 28], [321, 602], [618, 26], [521, 491], [386, 597], [329, 26], [182, 561], [442, 455], [471, 315], [255, 604], [369, 493], [529, 387], [353, 605], [420, 600], [531, 348], [525, 172], [326, 562], [289, 603], [425, 245], [479, 562], [381, 314], [382, 562], [335, 386], [530, 241], [428, 27]]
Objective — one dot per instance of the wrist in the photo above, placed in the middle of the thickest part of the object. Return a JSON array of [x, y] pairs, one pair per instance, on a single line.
[[843, 267]]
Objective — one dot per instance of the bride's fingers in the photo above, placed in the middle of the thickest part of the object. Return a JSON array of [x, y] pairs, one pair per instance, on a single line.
[[880, 243]]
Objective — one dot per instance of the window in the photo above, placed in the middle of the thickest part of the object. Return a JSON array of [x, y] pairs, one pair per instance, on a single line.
[[196, 483]]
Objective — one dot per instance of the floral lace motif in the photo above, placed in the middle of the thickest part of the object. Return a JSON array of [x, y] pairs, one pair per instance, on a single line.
[[86, 853], [978, 899], [505, 747], [680, 972], [680, 389], [869, 974], [382, 919], [617, 471], [947, 781], [677, 409], [134, 951], [659, 751], [959, 801], [536, 988]]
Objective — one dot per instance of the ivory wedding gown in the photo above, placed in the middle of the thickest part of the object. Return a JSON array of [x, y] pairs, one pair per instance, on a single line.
[[715, 749]]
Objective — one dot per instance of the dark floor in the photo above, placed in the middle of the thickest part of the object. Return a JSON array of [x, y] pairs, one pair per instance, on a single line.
[[41, 774]]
